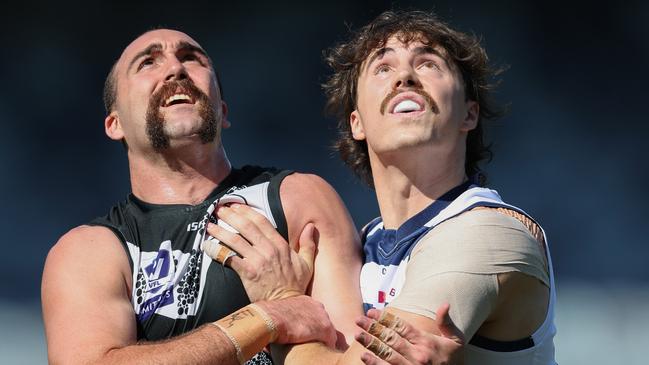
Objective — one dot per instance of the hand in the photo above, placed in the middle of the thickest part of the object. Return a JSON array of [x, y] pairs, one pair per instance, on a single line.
[[300, 319], [396, 342], [268, 267]]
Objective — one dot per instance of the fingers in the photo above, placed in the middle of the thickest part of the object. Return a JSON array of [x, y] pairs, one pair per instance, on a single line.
[[404, 329], [381, 332], [259, 220], [385, 335], [442, 320], [300, 319], [387, 319], [251, 224], [409, 344], [398, 325], [394, 323], [232, 240], [374, 313], [331, 337], [239, 217], [446, 326], [307, 247], [217, 251], [232, 250], [371, 359], [375, 345], [380, 349], [263, 237]]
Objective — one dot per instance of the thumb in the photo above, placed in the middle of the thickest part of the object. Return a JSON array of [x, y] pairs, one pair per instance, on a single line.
[[446, 326], [307, 245]]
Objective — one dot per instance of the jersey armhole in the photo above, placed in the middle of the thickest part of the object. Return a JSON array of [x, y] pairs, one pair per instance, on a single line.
[[275, 202], [120, 237]]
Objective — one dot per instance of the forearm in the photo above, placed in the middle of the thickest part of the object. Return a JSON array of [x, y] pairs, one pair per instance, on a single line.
[[206, 345], [316, 353], [231, 340]]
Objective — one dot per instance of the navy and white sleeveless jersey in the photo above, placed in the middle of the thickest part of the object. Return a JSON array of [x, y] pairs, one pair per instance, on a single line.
[[176, 287], [387, 252]]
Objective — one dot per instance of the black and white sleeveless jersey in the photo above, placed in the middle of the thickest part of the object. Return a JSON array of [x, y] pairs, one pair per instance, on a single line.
[[176, 287]]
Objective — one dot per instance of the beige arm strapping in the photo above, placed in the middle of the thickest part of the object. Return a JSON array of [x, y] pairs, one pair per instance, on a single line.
[[458, 262], [249, 329]]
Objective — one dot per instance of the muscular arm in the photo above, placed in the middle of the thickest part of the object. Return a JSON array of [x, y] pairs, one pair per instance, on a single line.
[[89, 317], [337, 264], [488, 267], [308, 198]]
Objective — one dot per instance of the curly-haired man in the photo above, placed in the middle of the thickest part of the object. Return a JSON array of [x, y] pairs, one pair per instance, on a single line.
[[411, 95]]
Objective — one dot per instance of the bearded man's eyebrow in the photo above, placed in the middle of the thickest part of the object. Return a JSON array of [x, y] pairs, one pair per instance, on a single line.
[[188, 47], [152, 48]]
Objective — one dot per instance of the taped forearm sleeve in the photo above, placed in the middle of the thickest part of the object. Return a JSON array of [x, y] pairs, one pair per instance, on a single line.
[[249, 329]]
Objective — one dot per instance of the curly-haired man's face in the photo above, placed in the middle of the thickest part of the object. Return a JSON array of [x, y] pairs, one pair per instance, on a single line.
[[410, 96]]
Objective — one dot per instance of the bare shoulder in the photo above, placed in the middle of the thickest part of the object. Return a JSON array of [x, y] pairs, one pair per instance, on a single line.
[[83, 238], [85, 294], [84, 248], [308, 198], [86, 252], [306, 185]]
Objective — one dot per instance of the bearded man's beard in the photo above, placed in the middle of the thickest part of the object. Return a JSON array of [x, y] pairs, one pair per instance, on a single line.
[[155, 119]]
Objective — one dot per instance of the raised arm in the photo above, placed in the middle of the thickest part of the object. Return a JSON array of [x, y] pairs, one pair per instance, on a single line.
[[89, 317], [310, 199], [307, 200], [336, 277]]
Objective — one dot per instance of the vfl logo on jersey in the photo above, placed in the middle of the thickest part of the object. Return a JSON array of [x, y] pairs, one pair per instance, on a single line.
[[157, 271], [157, 288]]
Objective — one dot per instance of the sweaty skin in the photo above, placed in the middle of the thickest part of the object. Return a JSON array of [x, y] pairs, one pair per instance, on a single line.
[[418, 156], [87, 284]]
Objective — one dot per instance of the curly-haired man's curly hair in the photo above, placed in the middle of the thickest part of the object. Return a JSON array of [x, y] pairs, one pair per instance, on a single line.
[[463, 51]]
